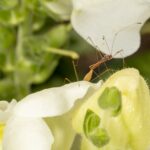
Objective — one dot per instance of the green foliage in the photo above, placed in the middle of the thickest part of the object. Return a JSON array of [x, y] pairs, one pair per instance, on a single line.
[[26, 32], [33, 37], [8, 4], [58, 9]]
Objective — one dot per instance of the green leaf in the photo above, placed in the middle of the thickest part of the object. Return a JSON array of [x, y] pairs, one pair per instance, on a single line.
[[110, 99], [9, 42], [38, 21], [57, 36], [32, 4], [12, 17], [43, 62], [8, 4], [36, 14], [7, 89], [49, 39]]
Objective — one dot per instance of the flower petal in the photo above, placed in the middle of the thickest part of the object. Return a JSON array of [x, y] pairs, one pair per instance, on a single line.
[[53, 101], [27, 134], [127, 130], [111, 26], [62, 130], [6, 110]]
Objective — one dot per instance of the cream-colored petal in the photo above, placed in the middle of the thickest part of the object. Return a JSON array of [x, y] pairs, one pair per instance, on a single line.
[[130, 128], [27, 134], [6, 109], [3, 105], [53, 101], [63, 132], [111, 25]]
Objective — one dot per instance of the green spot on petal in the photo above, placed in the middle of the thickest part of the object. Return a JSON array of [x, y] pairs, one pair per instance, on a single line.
[[110, 99], [99, 137], [91, 122], [93, 132]]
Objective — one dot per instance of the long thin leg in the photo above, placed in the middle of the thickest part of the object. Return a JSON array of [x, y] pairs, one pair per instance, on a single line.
[[98, 76], [75, 70], [101, 55]]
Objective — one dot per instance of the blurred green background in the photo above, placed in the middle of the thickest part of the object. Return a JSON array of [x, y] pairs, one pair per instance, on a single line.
[[35, 50]]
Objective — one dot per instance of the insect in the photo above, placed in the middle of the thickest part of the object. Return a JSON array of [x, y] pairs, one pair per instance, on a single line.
[[105, 58], [92, 67]]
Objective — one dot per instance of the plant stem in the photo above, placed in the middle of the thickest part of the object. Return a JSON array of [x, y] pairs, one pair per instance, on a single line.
[[22, 85], [19, 43], [62, 52]]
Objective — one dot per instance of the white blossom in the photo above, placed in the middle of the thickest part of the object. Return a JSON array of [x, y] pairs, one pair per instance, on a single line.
[[110, 25], [22, 124]]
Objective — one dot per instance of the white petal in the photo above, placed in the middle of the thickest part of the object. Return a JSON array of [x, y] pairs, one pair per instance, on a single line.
[[118, 21], [3, 105], [147, 1], [53, 101], [63, 132], [27, 134], [6, 110]]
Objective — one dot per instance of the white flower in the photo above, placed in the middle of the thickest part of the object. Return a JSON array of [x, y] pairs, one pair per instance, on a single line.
[[119, 22], [22, 124], [19, 133]]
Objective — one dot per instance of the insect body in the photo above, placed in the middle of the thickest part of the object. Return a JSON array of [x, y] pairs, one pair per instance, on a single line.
[[106, 58], [89, 75]]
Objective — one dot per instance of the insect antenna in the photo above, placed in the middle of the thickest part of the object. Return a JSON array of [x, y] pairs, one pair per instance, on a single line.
[[105, 58], [103, 38], [96, 65], [117, 33], [98, 49]]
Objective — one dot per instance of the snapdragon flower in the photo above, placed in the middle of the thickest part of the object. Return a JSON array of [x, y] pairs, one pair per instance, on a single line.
[[116, 117], [22, 126], [18, 133]]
